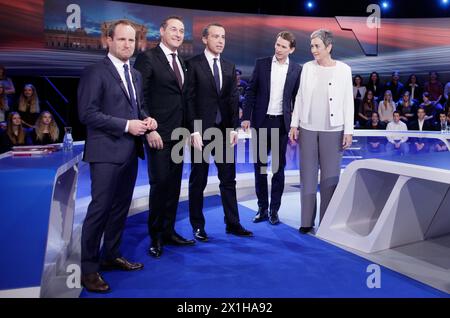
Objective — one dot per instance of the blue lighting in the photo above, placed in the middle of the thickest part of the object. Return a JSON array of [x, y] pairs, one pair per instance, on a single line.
[[385, 5], [310, 5], [444, 2]]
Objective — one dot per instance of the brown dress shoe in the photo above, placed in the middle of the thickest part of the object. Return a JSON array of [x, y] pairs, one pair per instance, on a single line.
[[94, 283], [120, 263]]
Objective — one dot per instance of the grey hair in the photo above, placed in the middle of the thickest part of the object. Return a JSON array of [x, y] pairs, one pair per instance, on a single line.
[[325, 35]]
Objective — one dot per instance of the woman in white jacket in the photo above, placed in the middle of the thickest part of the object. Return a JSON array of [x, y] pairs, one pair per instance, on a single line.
[[323, 122]]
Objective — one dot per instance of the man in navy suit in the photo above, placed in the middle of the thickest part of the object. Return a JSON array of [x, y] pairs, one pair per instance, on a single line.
[[109, 104], [213, 103], [268, 104]]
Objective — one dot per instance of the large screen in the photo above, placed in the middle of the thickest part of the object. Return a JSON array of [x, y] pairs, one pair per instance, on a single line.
[[60, 37]]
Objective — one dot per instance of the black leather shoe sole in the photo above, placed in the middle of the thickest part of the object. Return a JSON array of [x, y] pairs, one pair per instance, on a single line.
[[274, 221], [112, 267], [260, 219], [201, 238], [305, 230], [179, 243], [156, 253], [240, 233], [98, 291]]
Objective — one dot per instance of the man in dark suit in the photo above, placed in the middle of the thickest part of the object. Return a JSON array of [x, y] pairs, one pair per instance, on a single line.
[[421, 123], [420, 145], [109, 104], [213, 102], [164, 80], [268, 104]]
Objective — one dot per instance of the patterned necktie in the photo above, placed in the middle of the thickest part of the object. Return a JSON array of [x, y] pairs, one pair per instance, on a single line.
[[217, 81], [176, 69], [130, 91]]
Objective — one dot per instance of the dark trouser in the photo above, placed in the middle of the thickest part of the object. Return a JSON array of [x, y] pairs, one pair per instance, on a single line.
[[112, 188], [165, 184], [278, 148], [197, 184], [324, 149]]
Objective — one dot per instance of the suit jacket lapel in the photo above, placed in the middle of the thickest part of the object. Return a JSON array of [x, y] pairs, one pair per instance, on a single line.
[[116, 76], [268, 72], [208, 73], [136, 86], [162, 57]]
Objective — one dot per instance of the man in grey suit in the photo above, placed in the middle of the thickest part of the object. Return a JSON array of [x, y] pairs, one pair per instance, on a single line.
[[109, 104]]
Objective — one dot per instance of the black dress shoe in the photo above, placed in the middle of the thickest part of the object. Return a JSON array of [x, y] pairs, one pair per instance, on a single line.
[[120, 263], [155, 248], [177, 239], [201, 235], [261, 216], [273, 217], [238, 230], [305, 230], [94, 283]]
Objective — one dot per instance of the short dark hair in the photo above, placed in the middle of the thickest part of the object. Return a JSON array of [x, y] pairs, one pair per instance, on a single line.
[[112, 27], [288, 36], [396, 112], [205, 31], [170, 17], [420, 108]]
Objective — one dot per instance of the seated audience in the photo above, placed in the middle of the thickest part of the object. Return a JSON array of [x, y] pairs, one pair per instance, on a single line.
[[375, 123], [386, 108], [431, 108], [397, 143], [375, 85], [434, 87], [406, 108], [45, 130], [414, 88], [15, 134], [421, 123], [395, 86], [4, 105], [367, 107], [29, 105], [8, 85]]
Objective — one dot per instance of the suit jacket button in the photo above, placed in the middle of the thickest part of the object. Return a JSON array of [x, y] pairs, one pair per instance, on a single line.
[[331, 115], [331, 99], [329, 83]]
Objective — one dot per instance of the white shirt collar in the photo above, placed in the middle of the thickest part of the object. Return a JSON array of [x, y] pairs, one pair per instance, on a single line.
[[117, 62], [210, 56], [274, 60], [166, 50]]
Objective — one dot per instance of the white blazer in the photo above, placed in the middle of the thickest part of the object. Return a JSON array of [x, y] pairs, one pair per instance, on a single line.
[[340, 91]]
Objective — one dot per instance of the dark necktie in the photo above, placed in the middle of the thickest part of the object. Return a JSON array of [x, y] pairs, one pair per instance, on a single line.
[[217, 81], [176, 69], [130, 91]]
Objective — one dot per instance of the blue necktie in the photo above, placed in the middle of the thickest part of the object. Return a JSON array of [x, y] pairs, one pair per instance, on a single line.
[[217, 80], [130, 92]]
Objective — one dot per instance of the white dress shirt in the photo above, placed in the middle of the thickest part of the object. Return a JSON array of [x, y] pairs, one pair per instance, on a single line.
[[277, 80], [168, 53], [119, 67], [401, 126], [118, 64], [210, 58]]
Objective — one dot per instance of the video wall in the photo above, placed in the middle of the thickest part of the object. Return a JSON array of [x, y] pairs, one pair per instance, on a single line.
[[60, 37]]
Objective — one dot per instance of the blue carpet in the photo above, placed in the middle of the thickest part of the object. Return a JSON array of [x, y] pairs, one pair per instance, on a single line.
[[277, 262]]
